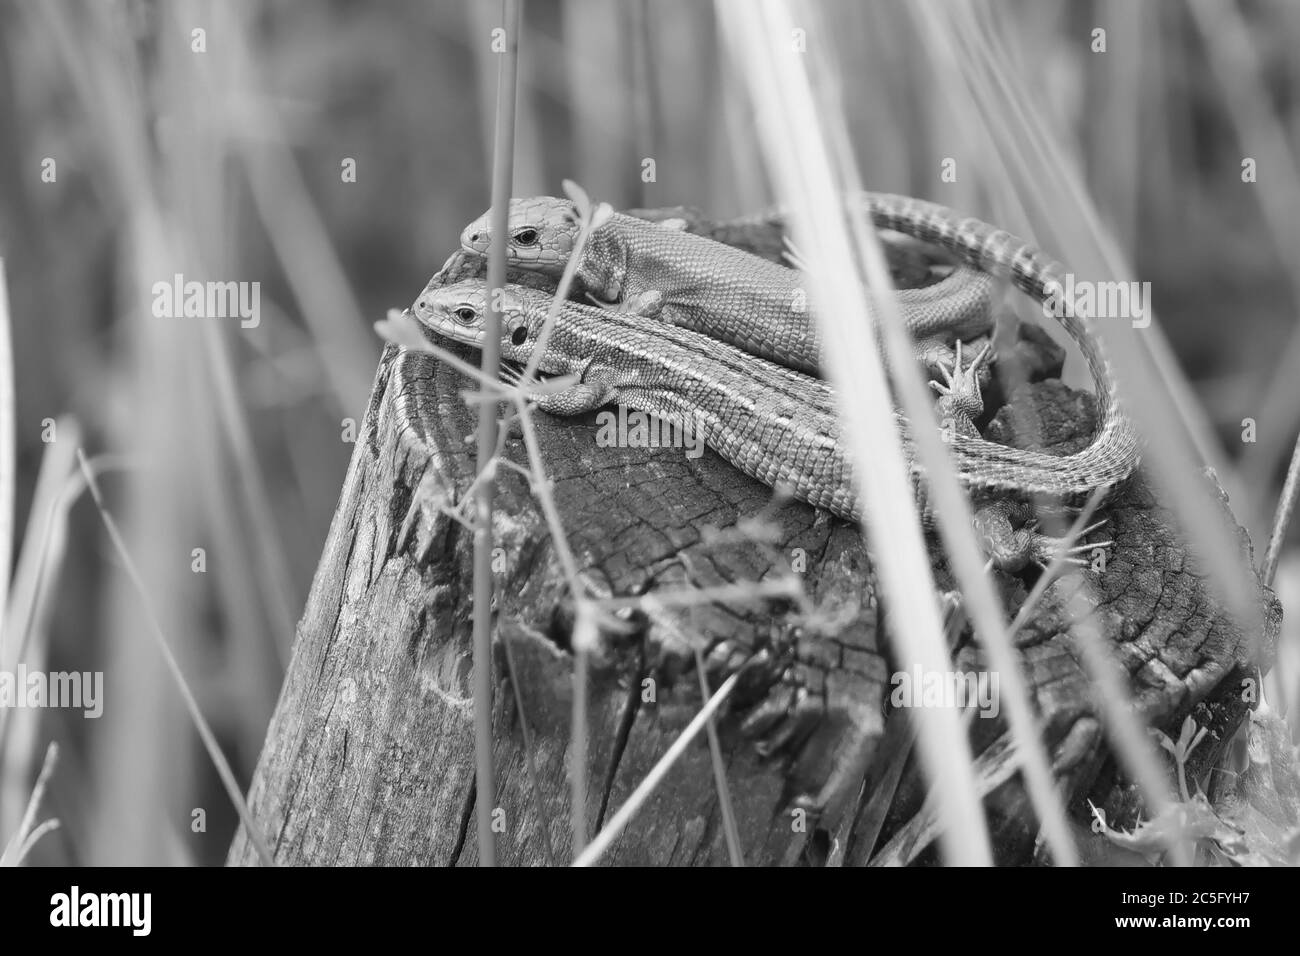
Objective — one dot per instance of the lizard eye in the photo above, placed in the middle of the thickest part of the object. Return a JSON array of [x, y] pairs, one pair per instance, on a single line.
[[526, 237], [519, 336], [465, 315]]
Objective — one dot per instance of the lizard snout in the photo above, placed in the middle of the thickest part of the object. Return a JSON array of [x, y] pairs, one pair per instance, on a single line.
[[474, 238]]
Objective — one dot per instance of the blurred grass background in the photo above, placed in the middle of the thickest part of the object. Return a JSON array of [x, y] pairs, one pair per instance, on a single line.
[[226, 165]]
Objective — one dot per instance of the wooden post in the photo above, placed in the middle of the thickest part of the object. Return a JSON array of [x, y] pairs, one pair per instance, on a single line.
[[369, 757]]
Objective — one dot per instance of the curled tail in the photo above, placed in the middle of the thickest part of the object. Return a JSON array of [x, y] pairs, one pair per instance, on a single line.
[[1113, 453]]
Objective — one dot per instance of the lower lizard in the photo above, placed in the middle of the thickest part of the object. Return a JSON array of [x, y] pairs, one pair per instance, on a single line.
[[775, 424]]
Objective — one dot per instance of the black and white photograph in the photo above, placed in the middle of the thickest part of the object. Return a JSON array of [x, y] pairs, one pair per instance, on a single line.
[[650, 434]]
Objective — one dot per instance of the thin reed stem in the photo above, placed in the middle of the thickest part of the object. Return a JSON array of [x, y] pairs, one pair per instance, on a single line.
[[503, 151]]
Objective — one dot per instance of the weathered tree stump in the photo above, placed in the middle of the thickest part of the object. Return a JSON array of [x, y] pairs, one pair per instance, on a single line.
[[369, 756]]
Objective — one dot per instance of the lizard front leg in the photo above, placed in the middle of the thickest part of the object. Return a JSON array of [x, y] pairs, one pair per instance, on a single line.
[[937, 357], [574, 400], [577, 399], [961, 401]]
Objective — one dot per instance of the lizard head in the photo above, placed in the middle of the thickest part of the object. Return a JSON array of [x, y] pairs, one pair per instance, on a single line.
[[459, 312], [541, 232]]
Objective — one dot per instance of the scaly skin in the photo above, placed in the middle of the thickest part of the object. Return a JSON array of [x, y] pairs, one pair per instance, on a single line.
[[724, 292], [682, 267], [775, 424]]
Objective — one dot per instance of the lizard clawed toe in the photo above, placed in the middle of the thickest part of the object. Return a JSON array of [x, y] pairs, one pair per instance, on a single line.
[[960, 392], [1047, 549]]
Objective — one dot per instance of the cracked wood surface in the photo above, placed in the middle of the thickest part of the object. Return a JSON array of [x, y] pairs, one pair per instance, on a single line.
[[369, 756]]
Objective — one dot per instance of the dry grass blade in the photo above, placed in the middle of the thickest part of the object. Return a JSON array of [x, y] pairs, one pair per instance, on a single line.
[[729, 829], [1163, 412], [46, 531], [27, 834], [219, 761], [899, 734], [273, 579], [1059, 565], [1236, 64], [402, 329], [758, 594], [588, 610], [995, 766], [949, 503], [503, 150], [797, 151], [530, 755], [972, 39], [1128, 736], [643, 87], [590, 217], [584, 639], [293, 224], [6, 451], [1286, 503], [1164, 417], [619, 821], [43, 550]]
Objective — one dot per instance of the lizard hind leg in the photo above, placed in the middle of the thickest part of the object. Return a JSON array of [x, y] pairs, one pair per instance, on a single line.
[[648, 303], [933, 354], [1012, 549]]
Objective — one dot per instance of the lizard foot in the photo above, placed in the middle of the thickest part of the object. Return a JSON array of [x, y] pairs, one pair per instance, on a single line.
[[511, 373], [574, 400], [649, 303], [1044, 549], [1011, 549], [960, 394]]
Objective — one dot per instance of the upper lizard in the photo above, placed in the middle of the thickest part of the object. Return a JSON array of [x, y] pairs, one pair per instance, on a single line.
[[724, 292]]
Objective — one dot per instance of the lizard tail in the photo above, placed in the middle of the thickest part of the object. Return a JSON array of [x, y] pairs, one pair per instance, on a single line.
[[1113, 452]]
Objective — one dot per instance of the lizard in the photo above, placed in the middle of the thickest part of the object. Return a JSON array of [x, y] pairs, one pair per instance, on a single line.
[[627, 257], [745, 300], [727, 293], [773, 423]]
